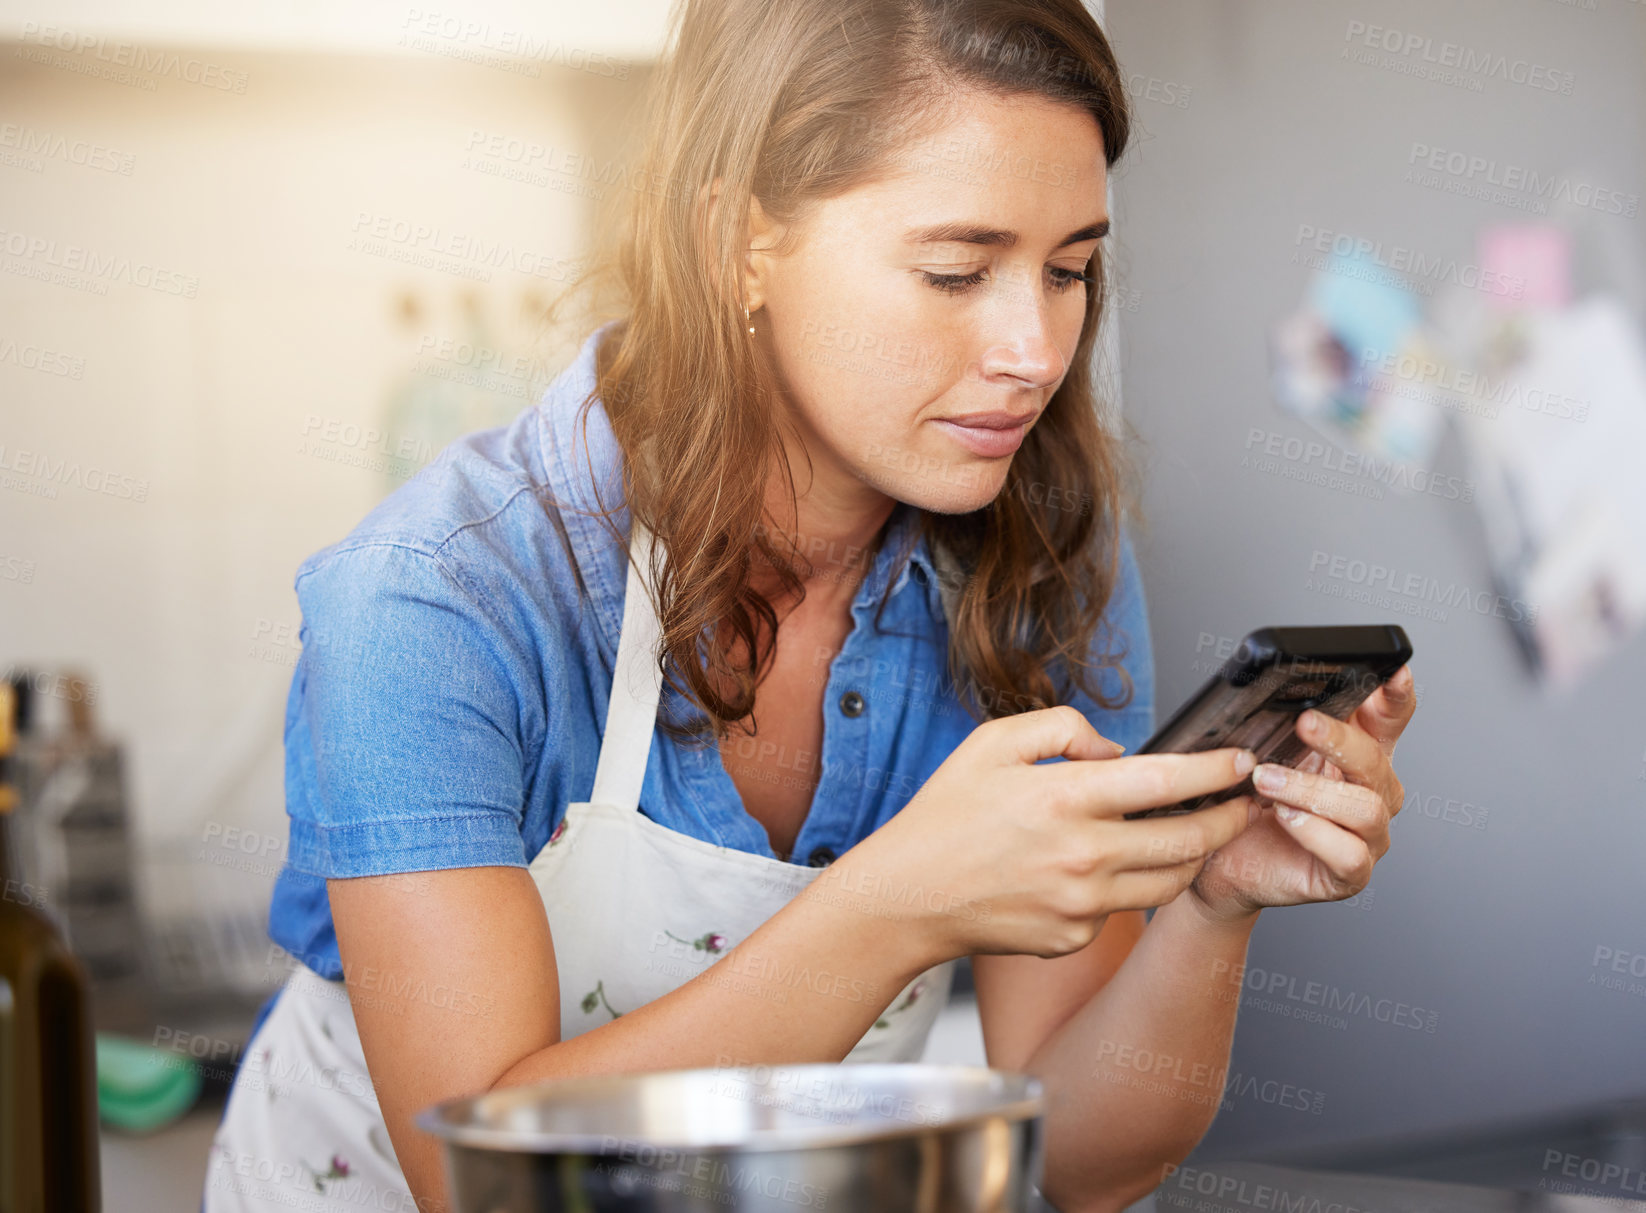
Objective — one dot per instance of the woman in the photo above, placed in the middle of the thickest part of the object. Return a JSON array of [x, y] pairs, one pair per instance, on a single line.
[[838, 470]]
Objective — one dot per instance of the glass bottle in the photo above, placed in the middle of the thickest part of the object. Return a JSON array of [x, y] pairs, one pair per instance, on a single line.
[[48, 1072]]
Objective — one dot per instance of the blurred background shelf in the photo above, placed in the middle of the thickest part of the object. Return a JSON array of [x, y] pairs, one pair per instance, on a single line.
[[629, 31]]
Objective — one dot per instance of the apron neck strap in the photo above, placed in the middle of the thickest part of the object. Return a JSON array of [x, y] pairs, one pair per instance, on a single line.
[[637, 684]]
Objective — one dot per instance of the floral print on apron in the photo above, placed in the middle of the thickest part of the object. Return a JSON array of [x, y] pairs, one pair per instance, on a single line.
[[635, 909]]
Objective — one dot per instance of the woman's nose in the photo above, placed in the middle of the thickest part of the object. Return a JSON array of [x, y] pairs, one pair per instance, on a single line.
[[1022, 344]]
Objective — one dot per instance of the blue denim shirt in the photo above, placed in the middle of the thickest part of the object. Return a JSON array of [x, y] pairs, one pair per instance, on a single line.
[[457, 661]]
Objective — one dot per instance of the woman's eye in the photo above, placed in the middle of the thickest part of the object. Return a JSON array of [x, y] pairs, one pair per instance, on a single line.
[[1063, 279], [952, 283]]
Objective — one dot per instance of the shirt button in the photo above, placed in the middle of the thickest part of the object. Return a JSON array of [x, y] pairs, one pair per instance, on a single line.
[[852, 704], [821, 857]]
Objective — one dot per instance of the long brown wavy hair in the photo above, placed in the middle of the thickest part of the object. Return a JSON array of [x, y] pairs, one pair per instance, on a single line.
[[791, 101]]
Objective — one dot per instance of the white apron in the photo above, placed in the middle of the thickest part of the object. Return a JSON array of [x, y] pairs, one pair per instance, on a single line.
[[636, 910]]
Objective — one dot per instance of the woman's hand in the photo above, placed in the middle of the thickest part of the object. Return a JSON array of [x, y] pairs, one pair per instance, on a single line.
[[1000, 852], [1317, 830]]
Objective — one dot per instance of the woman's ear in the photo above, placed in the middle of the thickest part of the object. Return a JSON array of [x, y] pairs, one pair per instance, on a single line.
[[763, 237]]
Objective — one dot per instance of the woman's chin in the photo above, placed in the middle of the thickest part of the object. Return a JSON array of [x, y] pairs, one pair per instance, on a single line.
[[969, 487]]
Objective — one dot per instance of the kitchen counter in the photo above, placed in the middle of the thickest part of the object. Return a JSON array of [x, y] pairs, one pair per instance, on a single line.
[[166, 1171], [1236, 1187]]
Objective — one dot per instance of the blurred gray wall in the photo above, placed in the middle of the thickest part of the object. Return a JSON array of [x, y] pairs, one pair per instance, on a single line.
[[1252, 123]]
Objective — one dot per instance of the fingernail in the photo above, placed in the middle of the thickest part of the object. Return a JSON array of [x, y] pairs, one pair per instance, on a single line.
[[1244, 762], [1288, 814], [1270, 778], [1310, 721]]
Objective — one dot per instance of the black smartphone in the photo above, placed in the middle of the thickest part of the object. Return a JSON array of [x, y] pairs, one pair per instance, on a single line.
[[1274, 676]]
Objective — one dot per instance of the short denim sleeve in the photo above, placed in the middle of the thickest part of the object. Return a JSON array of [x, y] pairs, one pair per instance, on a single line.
[[403, 745]]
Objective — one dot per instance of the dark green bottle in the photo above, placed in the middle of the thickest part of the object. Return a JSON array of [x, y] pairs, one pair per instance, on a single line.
[[48, 1069]]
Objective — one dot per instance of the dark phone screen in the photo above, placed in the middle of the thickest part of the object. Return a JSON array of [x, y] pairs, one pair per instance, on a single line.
[[1258, 710]]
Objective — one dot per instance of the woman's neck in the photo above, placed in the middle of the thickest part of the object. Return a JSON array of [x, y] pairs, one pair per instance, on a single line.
[[831, 550]]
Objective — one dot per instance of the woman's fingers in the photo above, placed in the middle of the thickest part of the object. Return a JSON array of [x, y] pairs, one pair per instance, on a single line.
[[1348, 747], [1388, 710], [1346, 856], [1148, 781], [1153, 886], [1353, 806], [1186, 838], [1060, 732]]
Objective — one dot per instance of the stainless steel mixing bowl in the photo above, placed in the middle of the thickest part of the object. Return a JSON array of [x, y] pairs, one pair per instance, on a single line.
[[848, 1137]]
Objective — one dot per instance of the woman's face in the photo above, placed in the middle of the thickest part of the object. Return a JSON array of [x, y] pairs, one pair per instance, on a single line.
[[945, 291]]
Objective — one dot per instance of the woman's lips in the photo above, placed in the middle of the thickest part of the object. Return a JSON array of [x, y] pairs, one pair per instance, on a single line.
[[981, 440]]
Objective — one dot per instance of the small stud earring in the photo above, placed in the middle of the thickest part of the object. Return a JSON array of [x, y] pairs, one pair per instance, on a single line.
[[746, 320]]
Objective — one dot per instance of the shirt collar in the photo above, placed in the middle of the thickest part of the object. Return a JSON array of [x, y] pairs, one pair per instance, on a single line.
[[577, 457], [580, 453], [903, 530]]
